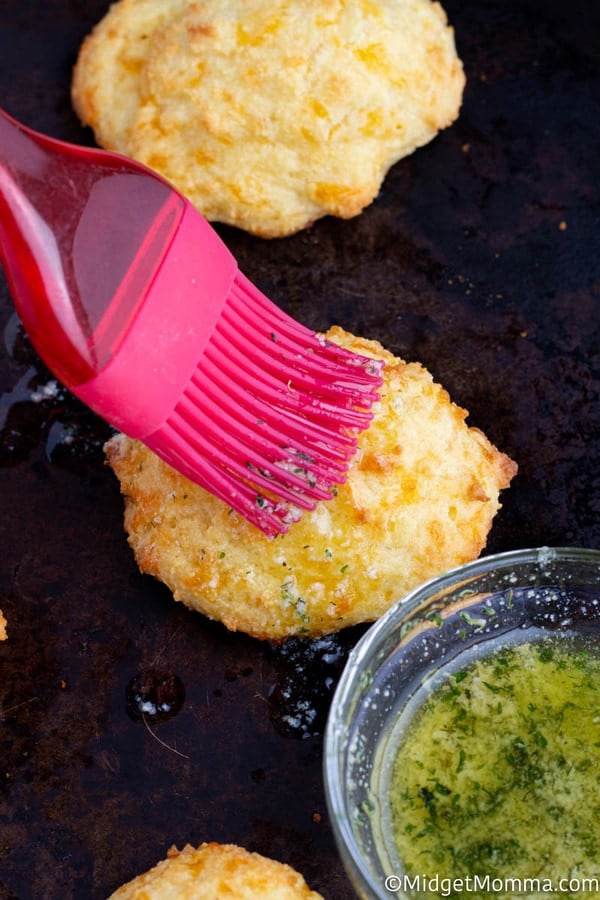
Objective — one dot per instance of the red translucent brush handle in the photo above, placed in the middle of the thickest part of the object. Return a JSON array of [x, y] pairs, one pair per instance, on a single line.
[[82, 234]]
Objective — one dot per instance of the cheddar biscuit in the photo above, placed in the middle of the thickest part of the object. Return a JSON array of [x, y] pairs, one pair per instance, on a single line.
[[420, 497], [217, 872], [270, 114]]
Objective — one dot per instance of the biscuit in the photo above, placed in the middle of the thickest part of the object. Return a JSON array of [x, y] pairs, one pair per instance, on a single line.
[[3, 634], [420, 497], [270, 114], [217, 872]]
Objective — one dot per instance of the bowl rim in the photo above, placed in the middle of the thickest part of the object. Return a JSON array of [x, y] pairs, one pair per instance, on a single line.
[[367, 645]]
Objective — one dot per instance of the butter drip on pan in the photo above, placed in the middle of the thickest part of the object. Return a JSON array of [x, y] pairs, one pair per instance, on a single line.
[[272, 114], [420, 498]]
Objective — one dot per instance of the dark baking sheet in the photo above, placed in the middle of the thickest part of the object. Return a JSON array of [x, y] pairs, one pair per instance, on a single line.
[[480, 258]]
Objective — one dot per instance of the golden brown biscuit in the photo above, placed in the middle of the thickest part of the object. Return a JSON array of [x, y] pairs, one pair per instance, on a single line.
[[217, 872], [270, 114], [3, 634], [420, 498]]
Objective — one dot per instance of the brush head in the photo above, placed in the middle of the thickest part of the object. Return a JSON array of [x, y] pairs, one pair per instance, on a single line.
[[231, 391], [269, 419]]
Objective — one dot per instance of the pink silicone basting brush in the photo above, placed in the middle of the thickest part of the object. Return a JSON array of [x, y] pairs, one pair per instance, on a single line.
[[137, 306]]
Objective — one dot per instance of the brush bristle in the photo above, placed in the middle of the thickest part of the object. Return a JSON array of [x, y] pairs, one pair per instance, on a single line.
[[270, 418]]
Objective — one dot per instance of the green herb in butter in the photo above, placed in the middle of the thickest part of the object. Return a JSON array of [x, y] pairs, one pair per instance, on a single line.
[[499, 772]]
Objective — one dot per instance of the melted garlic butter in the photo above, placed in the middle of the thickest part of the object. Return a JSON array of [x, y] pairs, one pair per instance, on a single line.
[[499, 774]]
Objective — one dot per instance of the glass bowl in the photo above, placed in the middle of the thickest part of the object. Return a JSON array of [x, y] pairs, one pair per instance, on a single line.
[[466, 613]]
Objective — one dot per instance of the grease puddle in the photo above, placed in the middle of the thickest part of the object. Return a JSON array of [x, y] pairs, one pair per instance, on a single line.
[[37, 410], [154, 696], [307, 675]]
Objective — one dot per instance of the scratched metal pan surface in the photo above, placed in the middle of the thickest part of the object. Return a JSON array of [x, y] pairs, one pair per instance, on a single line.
[[481, 259]]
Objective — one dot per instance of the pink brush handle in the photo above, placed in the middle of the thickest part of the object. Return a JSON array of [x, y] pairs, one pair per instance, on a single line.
[[141, 385]]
